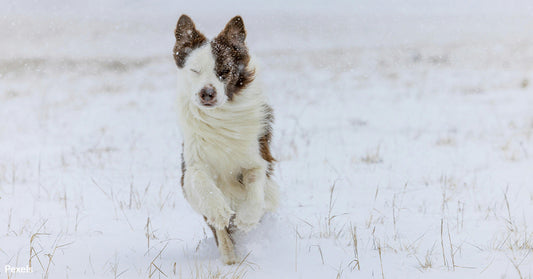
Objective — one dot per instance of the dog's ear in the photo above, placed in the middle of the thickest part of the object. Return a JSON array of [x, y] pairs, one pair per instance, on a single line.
[[185, 29], [234, 32], [187, 39]]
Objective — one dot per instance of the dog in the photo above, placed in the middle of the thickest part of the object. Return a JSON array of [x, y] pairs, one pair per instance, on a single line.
[[226, 125]]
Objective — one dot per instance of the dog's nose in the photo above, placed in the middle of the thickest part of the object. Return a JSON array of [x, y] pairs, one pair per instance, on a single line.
[[208, 95]]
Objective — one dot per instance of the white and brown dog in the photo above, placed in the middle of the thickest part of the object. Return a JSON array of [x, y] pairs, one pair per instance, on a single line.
[[226, 125]]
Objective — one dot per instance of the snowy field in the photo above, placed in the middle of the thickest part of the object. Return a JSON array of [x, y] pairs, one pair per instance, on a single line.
[[404, 139]]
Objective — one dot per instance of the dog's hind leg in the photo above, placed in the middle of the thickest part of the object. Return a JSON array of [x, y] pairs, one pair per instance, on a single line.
[[225, 243], [226, 246], [271, 195]]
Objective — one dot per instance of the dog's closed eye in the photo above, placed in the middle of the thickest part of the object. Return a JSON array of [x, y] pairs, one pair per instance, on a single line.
[[195, 71]]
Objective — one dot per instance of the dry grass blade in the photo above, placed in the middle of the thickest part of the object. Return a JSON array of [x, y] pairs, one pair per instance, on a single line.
[[355, 262], [452, 253], [152, 263], [319, 250], [442, 241], [381, 262]]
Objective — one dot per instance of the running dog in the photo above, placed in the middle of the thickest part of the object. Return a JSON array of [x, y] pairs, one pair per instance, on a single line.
[[226, 124]]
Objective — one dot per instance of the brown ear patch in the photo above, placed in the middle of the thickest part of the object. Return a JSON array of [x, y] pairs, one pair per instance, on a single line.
[[187, 39], [232, 58]]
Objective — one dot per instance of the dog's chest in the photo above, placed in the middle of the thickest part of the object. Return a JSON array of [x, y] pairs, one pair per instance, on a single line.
[[224, 145], [222, 153]]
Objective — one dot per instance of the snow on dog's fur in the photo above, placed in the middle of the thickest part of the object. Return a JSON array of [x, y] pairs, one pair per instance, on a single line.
[[226, 126]]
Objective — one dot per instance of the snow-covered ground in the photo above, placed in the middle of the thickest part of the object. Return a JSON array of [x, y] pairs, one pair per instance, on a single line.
[[404, 135]]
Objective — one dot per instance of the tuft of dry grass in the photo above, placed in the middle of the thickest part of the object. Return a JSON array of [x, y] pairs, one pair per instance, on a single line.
[[517, 263], [114, 268], [428, 263], [445, 141], [372, 157], [518, 237], [328, 226], [153, 267], [37, 251]]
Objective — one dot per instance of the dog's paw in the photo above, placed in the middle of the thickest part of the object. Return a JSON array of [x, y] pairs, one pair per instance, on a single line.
[[247, 219], [229, 259], [219, 216]]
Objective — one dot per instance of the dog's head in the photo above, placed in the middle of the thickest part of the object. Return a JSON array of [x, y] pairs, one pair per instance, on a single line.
[[214, 71]]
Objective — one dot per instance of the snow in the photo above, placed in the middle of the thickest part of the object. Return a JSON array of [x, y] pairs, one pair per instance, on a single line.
[[405, 123]]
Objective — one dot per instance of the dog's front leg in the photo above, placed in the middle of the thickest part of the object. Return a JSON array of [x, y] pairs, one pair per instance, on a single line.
[[250, 211], [206, 198]]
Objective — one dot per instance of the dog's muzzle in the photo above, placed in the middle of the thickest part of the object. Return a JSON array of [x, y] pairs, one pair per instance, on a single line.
[[208, 96]]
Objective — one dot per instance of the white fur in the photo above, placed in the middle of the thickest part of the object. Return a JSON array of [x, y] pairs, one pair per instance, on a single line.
[[221, 142]]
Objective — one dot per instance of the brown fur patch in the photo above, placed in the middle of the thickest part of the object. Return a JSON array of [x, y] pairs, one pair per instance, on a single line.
[[264, 140], [187, 39], [232, 58]]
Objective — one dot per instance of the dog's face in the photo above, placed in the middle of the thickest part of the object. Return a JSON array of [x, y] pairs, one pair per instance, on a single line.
[[214, 71]]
